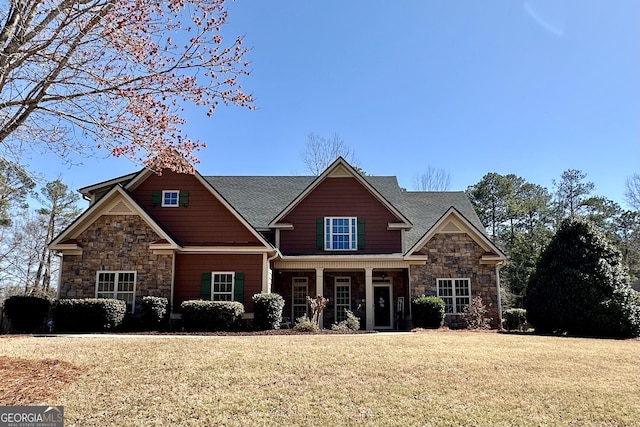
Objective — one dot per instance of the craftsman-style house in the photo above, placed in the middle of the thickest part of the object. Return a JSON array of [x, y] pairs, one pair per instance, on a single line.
[[361, 241]]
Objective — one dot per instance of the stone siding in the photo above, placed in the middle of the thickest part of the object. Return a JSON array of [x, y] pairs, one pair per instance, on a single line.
[[456, 255], [117, 243]]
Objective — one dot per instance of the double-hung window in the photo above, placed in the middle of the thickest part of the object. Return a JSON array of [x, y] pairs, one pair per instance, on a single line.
[[456, 294], [341, 233], [118, 285], [170, 198], [222, 286]]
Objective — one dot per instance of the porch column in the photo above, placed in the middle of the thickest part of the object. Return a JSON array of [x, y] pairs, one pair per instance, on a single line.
[[320, 288], [368, 292]]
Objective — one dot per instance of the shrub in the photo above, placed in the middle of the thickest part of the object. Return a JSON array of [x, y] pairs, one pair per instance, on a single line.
[[428, 312], [26, 313], [304, 324], [267, 311], [514, 319], [476, 314], [88, 315], [154, 311], [580, 286], [351, 323], [199, 315]]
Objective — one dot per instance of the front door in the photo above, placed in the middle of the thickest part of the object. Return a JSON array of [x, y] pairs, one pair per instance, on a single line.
[[382, 308]]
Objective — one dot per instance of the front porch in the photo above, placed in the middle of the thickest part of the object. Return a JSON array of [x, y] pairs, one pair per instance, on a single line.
[[378, 296]]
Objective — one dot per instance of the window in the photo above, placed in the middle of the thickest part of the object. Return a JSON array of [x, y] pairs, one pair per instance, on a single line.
[[170, 198], [343, 297], [456, 294], [299, 297], [118, 285], [222, 287], [340, 233]]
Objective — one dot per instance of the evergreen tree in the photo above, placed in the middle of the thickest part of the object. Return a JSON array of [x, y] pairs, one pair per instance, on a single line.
[[580, 286]]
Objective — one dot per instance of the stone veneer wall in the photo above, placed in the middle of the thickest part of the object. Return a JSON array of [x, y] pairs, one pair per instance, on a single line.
[[117, 242], [456, 255]]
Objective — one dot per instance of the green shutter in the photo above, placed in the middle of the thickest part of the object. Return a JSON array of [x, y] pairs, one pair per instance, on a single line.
[[156, 198], [184, 198], [205, 290], [361, 234], [238, 288], [320, 233]]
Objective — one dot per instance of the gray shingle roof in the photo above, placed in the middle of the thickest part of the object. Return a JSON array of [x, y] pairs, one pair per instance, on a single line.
[[259, 199]]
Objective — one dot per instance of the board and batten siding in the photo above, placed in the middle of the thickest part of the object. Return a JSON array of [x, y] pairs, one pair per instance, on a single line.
[[340, 197], [204, 222], [189, 269]]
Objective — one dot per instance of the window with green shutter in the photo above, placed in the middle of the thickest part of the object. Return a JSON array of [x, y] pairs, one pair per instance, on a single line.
[[340, 233], [222, 286]]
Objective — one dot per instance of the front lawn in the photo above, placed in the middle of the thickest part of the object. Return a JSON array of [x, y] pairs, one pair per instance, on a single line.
[[430, 379]]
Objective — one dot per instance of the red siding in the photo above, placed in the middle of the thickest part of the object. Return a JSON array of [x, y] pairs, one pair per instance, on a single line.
[[189, 269], [340, 197], [206, 221]]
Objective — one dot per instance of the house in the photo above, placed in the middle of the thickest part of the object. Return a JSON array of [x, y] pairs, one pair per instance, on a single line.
[[361, 241]]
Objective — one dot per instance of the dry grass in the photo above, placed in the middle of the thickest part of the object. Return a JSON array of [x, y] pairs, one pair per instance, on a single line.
[[429, 379]]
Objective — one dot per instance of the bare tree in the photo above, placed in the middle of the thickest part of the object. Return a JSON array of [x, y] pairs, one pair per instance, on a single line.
[[321, 152], [632, 193], [115, 72], [432, 180]]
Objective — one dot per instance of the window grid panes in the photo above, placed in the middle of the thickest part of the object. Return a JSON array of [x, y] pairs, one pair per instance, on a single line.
[[222, 287], [343, 297], [299, 297], [170, 198], [456, 294], [340, 233], [118, 285]]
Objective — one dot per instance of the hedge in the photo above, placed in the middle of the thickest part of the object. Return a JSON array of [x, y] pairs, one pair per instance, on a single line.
[[88, 315], [267, 311], [26, 314], [427, 312], [200, 315]]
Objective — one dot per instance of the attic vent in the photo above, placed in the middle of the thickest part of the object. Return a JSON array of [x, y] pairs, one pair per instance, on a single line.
[[451, 228], [120, 208], [340, 172]]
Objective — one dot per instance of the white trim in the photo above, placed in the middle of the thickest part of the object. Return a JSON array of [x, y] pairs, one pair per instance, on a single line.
[[303, 281], [453, 296], [378, 282], [233, 284], [115, 285], [335, 296], [162, 200], [352, 233], [226, 250]]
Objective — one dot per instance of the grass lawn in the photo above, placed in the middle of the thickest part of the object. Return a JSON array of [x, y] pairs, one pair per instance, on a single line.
[[418, 379]]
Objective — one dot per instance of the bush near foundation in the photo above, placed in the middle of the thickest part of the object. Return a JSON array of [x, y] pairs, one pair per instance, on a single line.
[[26, 314], [88, 315], [154, 312], [514, 319], [267, 311], [212, 316], [427, 312]]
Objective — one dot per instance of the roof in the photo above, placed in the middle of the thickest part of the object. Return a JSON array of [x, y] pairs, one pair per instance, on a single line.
[[260, 199]]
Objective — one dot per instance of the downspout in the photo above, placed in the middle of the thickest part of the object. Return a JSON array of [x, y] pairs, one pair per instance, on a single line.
[[267, 281]]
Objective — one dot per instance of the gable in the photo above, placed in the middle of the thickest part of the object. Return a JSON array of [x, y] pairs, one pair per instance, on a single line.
[[116, 202], [453, 222], [205, 219], [341, 170]]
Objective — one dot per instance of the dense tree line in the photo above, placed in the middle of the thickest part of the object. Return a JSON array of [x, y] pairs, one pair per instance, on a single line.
[[522, 217]]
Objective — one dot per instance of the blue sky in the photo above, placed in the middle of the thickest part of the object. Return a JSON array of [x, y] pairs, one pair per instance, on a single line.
[[531, 88]]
